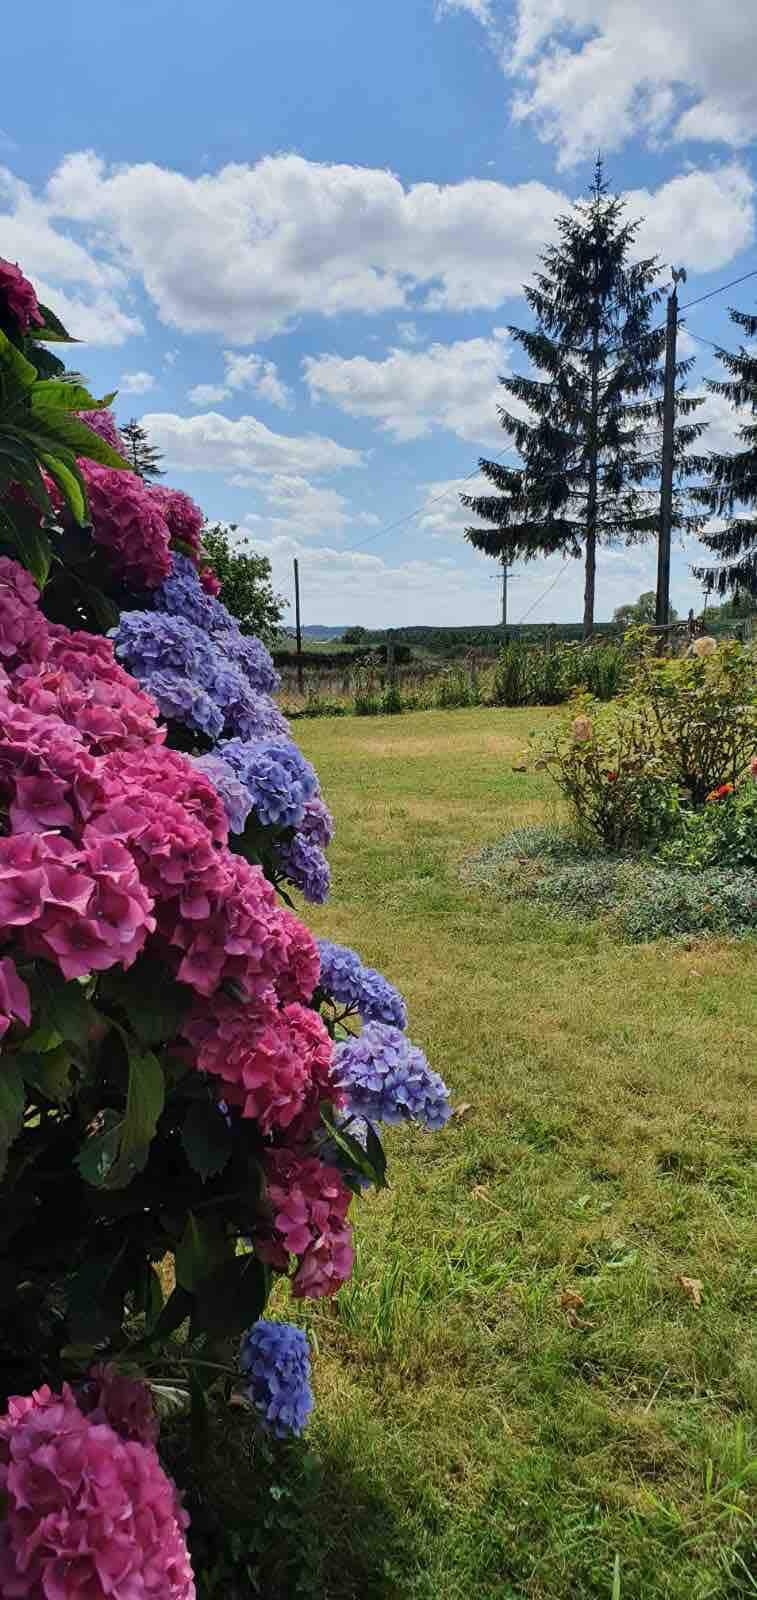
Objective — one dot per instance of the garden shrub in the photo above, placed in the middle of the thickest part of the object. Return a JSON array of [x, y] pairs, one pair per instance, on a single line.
[[620, 792], [723, 833], [699, 713], [169, 1029]]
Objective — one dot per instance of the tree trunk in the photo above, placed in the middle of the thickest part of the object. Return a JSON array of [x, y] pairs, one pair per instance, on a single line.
[[590, 580]]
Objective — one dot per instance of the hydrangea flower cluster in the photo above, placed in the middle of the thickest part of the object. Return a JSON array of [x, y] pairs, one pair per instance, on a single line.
[[309, 1204], [358, 988], [17, 293], [384, 1078], [304, 865], [128, 523], [274, 1063], [90, 1515], [103, 423], [277, 777], [275, 1357]]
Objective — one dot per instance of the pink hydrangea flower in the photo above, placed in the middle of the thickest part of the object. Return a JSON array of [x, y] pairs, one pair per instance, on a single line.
[[19, 296], [128, 522], [301, 968], [309, 1202], [89, 1515], [242, 939], [184, 518], [23, 629], [124, 1403], [14, 997], [103, 423], [84, 910], [177, 859], [210, 583], [164, 772], [273, 1063]]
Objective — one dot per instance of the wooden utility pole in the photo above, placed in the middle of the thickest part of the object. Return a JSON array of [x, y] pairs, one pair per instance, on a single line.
[[505, 576], [662, 604], [300, 681]]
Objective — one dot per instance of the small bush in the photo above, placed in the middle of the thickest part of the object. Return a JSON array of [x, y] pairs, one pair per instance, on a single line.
[[619, 793], [656, 902], [723, 833], [699, 714]]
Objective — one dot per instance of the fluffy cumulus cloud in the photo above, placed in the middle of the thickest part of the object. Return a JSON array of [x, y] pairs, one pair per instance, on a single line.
[[598, 72], [135, 382], [442, 515], [287, 237], [212, 443], [244, 372], [450, 386], [360, 586], [302, 508], [89, 292]]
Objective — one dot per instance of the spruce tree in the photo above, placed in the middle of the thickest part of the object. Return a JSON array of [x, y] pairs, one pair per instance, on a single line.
[[141, 455], [589, 431], [732, 477]]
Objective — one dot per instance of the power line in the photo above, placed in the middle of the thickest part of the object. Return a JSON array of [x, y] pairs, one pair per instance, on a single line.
[[548, 590], [390, 527], [721, 289]]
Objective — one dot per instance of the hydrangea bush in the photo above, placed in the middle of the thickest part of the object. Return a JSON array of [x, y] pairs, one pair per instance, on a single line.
[[180, 1077]]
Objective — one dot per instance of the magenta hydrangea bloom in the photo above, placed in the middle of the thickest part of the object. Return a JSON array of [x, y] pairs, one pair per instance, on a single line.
[[309, 1203], [14, 996], [184, 518], [103, 423], [274, 1064], [124, 1403], [24, 632], [129, 523], [89, 1515], [19, 296]]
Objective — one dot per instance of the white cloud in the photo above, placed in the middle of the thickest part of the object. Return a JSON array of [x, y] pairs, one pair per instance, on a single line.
[[450, 386], [84, 289], [359, 586], [244, 372], [212, 443], [480, 9], [443, 516], [599, 72], [170, 358], [207, 394], [301, 508], [697, 217], [135, 382]]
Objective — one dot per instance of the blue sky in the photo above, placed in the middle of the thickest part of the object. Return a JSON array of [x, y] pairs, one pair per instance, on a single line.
[[293, 238]]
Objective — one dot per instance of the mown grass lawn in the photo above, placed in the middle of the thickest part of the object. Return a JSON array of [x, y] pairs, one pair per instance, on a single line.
[[516, 1395]]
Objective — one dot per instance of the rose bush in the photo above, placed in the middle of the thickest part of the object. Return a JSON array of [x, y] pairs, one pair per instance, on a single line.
[[171, 1084]]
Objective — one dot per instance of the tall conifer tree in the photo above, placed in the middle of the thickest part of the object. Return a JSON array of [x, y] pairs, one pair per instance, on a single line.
[[732, 477], [588, 429], [144, 457]]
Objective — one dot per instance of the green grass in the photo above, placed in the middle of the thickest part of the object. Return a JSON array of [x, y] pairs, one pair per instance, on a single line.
[[477, 1436]]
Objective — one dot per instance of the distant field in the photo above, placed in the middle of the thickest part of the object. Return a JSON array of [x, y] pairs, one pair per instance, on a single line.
[[517, 1397]]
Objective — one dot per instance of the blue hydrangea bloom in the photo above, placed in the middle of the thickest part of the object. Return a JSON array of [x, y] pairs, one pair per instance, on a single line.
[[182, 595], [387, 1079], [183, 700], [360, 988], [277, 776], [275, 1356], [251, 656], [153, 641], [305, 865], [317, 823], [236, 799]]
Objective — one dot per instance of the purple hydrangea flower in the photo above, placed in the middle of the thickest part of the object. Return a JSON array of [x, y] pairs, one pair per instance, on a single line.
[[277, 776], [153, 641], [251, 656], [182, 595], [184, 700], [317, 823], [305, 865], [360, 988], [236, 799], [275, 1356], [387, 1079]]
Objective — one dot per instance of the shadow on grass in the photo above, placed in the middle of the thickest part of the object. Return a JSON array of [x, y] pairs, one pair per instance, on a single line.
[[281, 1521]]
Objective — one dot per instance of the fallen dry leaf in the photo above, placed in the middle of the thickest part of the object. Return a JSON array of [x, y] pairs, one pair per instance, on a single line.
[[480, 1191], [463, 1108], [692, 1287], [520, 766], [571, 1303]]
